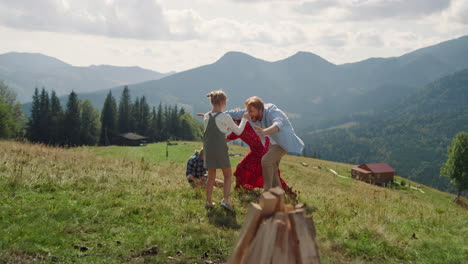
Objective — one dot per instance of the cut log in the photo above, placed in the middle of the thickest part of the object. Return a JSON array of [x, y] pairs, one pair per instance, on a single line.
[[311, 226], [269, 241], [247, 233], [274, 232], [300, 206], [308, 251], [279, 193], [281, 254], [293, 249], [268, 202], [253, 252]]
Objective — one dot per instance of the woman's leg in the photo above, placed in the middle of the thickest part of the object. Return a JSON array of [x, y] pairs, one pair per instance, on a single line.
[[209, 184], [227, 173]]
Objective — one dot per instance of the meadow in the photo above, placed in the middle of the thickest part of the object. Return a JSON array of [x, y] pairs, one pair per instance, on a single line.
[[133, 204]]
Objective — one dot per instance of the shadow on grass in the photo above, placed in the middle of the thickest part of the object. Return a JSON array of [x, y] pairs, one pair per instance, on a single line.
[[222, 217], [246, 196]]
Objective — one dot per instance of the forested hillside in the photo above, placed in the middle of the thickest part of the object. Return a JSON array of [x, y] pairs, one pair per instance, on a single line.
[[412, 136]]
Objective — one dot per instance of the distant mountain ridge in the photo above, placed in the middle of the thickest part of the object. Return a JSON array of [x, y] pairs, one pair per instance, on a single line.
[[25, 71], [306, 84]]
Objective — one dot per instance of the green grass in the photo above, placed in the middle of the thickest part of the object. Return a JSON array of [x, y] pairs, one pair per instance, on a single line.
[[119, 201]]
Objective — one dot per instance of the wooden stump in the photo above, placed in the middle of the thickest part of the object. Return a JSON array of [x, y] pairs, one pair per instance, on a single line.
[[274, 232]]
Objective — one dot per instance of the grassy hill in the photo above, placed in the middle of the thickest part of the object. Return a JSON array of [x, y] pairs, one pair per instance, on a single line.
[[112, 204]]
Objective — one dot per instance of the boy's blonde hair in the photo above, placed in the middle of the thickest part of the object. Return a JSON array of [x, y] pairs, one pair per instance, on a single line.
[[200, 151], [255, 102], [217, 97]]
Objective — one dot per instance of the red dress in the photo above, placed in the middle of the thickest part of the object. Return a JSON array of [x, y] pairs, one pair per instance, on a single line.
[[249, 171]]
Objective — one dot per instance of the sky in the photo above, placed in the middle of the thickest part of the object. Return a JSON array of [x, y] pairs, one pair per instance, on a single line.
[[177, 35]]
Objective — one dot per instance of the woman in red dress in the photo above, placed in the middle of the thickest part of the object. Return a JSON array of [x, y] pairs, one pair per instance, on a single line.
[[249, 171]]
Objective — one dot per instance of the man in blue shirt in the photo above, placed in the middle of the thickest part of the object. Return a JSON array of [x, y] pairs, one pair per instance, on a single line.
[[270, 121]]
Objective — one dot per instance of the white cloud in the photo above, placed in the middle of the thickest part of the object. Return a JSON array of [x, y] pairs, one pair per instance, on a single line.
[[188, 24], [260, 1], [369, 38], [176, 35], [334, 40], [141, 19], [458, 12], [365, 10], [184, 24]]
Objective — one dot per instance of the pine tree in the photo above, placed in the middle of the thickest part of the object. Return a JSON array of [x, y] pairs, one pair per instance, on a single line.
[[108, 120], [160, 124], [56, 120], [175, 130], [182, 111], [135, 116], [44, 117], [153, 129], [33, 124], [72, 118], [90, 125], [144, 122], [125, 111], [166, 128]]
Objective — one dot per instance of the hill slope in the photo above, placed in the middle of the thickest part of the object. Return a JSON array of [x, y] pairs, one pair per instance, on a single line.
[[412, 136], [112, 204], [25, 71]]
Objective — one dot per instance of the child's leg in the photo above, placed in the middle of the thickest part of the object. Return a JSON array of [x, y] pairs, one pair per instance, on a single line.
[[209, 184], [227, 173]]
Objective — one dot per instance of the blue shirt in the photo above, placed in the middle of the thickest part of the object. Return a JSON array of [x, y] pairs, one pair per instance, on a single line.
[[272, 115]]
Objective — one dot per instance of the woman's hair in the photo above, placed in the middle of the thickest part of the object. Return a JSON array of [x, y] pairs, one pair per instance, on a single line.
[[217, 97], [254, 101]]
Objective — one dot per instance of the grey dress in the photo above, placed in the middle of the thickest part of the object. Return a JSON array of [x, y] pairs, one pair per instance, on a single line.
[[215, 146]]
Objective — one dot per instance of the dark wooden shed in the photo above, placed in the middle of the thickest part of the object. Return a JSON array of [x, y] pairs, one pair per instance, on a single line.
[[376, 173], [130, 139]]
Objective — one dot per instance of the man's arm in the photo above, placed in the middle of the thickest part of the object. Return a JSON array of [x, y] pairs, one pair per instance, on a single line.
[[267, 131], [236, 113], [278, 119]]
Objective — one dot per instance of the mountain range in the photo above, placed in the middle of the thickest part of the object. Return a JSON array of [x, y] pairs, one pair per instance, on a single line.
[[309, 88], [23, 72], [321, 97]]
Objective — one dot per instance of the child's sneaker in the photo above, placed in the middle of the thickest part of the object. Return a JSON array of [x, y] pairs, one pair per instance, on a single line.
[[210, 205], [226, 206]]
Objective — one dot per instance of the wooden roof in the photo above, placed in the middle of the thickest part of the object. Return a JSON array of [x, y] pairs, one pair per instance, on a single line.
[[361, 170], [378, 167], [132, 136]]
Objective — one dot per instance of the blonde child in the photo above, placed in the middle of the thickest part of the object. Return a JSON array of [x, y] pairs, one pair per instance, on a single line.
[[215, 147]]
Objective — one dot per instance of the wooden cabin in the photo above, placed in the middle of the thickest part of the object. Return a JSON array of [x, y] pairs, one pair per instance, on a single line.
[[375, 173], [130, 139]]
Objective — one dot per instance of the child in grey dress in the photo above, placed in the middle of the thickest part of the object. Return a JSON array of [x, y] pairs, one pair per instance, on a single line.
[[215, 147]]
